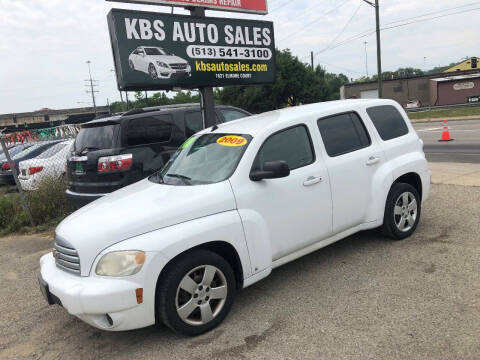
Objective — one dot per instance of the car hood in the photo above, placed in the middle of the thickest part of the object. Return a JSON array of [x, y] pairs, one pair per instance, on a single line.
[[169, 59], [137, 209]]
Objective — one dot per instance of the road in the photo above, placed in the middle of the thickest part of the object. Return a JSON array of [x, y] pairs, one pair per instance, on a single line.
[[465, 148], [365, 297]]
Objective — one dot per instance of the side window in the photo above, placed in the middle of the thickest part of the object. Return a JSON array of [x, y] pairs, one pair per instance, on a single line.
[[193, 122], [292, 145], [388, 121], [343, 133], [230, 114], [149, 130]]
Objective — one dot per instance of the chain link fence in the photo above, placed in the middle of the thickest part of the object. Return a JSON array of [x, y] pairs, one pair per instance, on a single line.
[[33, 164]]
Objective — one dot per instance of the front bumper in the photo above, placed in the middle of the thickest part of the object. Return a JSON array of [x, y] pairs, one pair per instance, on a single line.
[[93, 298], [168, 73]]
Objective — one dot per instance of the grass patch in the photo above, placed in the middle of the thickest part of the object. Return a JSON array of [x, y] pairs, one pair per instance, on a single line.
[[445, 113], [48, 206]]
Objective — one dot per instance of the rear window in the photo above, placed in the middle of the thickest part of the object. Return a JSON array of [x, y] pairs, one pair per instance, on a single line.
[[149, 130], [388, 121], [52, 151], [95, 138], [343, 133]]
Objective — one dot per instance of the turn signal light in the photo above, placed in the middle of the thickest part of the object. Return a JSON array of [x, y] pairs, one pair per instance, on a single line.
[[114, 163], [35, 169], [139, 295]]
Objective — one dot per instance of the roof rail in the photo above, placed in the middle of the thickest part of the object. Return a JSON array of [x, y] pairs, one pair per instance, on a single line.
[[157, 108]]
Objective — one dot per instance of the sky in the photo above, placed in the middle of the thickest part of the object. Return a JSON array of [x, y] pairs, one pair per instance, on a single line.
[[45, 43]]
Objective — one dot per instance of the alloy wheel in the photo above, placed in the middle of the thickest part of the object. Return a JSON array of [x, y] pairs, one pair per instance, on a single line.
[[201, 295], [405, 211], [153, 72]]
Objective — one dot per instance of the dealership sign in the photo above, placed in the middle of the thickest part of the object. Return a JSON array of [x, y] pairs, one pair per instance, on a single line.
[[157, 51], [247, 6]]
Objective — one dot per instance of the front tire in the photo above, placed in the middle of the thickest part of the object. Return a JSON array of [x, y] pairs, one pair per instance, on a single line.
[[152, 72], [196, 292], [402, 211]]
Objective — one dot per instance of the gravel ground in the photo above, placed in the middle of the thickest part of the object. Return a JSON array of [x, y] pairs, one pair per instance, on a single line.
[[364, 297]]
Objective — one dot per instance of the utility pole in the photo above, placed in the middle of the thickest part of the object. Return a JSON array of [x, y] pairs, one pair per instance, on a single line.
[[379, 52], [207, 100], [91, 85], [311, 58], [366, 59]]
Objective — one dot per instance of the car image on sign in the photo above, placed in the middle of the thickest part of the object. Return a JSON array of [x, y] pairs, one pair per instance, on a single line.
[[158, 63]]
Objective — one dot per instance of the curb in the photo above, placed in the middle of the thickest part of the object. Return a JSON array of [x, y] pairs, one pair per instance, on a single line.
[[440, 119]]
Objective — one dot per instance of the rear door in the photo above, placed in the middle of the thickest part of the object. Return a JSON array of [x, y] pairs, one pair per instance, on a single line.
[[352, 159]]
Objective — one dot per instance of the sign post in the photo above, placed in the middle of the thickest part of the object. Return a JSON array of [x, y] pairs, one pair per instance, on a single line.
[[207, 101]]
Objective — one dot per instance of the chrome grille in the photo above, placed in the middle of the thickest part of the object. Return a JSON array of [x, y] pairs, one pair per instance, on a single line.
[[66, 257], [178, 66]]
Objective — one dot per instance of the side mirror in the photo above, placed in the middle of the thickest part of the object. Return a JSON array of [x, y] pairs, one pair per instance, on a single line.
[[271, 170]]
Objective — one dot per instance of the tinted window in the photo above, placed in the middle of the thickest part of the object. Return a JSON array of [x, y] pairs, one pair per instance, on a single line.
[[230, 115], [149, 130], [193, 122], [343, 133], [292, 145], [95, 138], [388, 121]]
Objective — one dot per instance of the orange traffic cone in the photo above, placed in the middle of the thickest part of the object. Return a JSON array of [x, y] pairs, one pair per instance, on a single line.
[[445, 132]]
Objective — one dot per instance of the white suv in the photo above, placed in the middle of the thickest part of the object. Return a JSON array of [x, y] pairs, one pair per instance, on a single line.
[[234, 202]]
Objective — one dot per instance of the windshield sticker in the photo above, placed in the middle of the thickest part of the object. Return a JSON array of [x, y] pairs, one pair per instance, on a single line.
[[232, 140], [187, 142]]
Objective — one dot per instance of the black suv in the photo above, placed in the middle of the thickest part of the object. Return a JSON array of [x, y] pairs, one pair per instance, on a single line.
[[112, 152]]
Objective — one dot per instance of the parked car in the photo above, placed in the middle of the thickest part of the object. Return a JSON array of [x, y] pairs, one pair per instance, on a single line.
[[158, 63], [29, 152], [233, 203], [411, 104], [113, 152], [49, 164], [12, 151]]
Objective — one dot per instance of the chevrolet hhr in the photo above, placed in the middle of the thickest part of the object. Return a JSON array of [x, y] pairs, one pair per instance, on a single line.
[[234, 202]]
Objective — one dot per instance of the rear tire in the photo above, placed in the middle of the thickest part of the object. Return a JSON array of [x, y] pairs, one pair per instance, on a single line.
[[196, 292], [402, 211]]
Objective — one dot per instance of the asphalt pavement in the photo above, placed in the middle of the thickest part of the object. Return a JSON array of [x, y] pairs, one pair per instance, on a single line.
[[465, 148], [364, 297]]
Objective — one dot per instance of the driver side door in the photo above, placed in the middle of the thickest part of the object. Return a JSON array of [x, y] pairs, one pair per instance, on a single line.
[[295, 211]]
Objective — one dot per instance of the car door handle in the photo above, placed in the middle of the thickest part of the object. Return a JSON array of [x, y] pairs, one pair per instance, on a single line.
[[312, 180], [372, 160]]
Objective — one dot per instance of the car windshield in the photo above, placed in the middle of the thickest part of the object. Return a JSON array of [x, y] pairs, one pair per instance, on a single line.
[[94, 138], [204, 159], [154, 51]]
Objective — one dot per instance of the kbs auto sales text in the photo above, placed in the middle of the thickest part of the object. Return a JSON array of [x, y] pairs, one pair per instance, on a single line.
[[193, 32]]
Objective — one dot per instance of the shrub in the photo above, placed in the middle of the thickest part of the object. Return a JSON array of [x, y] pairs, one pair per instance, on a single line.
[[49, 202], [48, 206]]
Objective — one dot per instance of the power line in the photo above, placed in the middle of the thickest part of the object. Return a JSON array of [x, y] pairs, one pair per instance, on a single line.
[[344, 27], [304, 27], [368, 33]]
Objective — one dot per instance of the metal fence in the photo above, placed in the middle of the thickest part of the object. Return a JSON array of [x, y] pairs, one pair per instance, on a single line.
[[31, 158]]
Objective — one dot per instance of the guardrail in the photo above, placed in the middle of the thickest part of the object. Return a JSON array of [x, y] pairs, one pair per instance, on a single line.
[[438, 107]]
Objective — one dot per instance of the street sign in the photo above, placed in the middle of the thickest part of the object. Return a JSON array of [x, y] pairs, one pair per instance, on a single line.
[[158, 51], [246, 6]]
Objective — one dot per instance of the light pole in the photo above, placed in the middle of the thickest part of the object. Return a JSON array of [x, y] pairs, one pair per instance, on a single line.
[[366, 59], [379, 52]]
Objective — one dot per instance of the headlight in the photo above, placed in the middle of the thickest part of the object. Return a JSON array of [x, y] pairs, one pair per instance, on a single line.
[[162, 64], [120, 263]]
